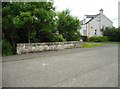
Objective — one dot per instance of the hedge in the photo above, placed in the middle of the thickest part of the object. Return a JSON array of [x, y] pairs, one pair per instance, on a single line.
[[98, 39], [112, 33]]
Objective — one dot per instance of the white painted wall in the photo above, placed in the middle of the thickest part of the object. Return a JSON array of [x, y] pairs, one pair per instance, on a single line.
[[105, 22], [83, 29], [94, 25]]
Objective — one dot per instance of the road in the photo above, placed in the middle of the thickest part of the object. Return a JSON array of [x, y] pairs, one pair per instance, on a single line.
[[81, 67]]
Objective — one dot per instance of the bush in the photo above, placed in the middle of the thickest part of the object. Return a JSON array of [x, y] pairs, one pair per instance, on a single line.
[[98, 39], [73, 36], [7, 48], [57, 38], [112, 33]]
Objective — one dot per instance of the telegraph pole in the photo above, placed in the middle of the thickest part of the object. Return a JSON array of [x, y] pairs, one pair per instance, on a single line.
[[119, 14]]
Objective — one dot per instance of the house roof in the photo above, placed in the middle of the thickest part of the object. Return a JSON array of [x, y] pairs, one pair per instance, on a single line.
[[81, 22], [89, 16], [92, 17]]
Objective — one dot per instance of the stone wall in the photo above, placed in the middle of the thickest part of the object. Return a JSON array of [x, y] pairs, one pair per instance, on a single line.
[[39, 47]]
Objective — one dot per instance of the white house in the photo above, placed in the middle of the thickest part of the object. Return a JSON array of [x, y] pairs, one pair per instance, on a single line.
[[91, 25], [119, 14]]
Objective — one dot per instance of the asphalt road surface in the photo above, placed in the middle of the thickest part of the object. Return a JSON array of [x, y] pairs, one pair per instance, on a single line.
[[81, 67]]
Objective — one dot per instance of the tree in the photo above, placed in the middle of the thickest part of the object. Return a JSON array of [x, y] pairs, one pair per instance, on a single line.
[[25, 21], [113, 33], [68, 26]]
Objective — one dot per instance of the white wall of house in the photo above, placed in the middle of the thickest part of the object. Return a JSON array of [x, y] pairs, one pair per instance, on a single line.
[[105, 22], [83, 30], [94, 26]]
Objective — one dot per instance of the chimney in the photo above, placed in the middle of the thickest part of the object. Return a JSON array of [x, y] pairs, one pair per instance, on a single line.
[[101, 11]]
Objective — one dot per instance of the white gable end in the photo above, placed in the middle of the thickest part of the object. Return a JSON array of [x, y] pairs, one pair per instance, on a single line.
[[105, 22]]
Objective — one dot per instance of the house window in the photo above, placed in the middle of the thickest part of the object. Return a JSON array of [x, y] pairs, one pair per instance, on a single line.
[[95, 31]]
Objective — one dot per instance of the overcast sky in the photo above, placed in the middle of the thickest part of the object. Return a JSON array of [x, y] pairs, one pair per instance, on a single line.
[[80, 8]]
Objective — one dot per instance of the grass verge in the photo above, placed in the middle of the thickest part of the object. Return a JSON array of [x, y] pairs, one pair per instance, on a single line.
[[111, 42], [91, 45]]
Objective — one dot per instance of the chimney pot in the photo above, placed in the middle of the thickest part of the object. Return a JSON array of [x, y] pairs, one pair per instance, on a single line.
[[101, 11]]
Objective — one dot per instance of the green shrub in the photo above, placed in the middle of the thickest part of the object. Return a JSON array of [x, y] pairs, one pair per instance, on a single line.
[[112, 33], [57, 38], [73, 36], [7, 48], [98, 39]]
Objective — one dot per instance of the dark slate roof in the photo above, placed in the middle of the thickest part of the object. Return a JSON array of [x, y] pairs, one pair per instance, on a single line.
[[92, 17], [81, 22]]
